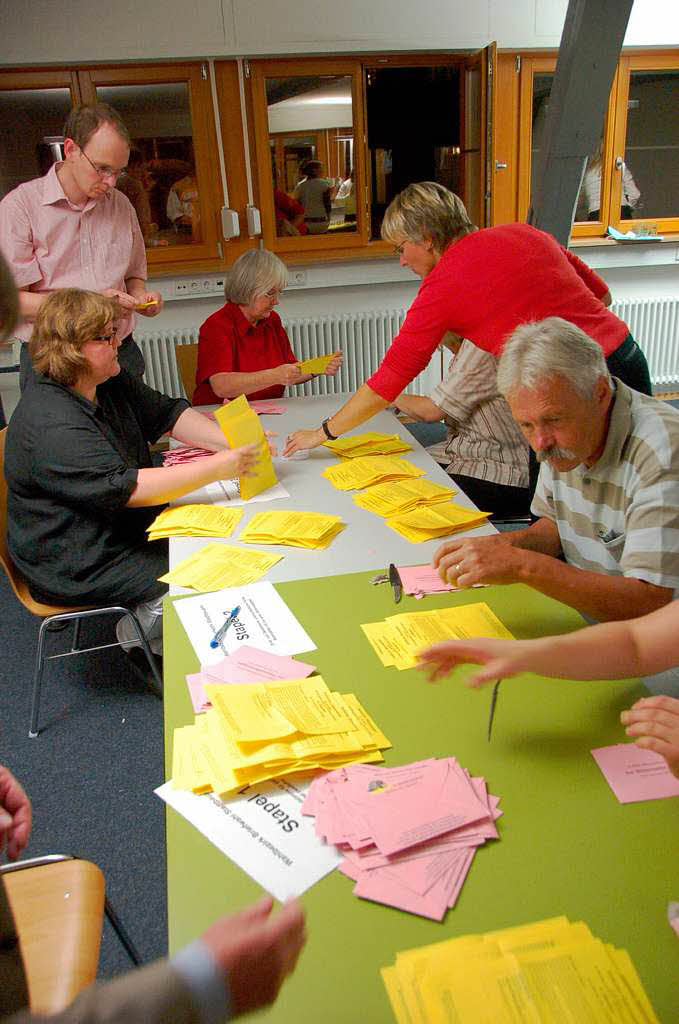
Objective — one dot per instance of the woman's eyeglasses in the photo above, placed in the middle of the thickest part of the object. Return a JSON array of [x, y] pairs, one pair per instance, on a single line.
[[107, 339], [398, 249]]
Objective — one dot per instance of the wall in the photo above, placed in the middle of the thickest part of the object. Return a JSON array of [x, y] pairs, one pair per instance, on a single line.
[[76, 30]]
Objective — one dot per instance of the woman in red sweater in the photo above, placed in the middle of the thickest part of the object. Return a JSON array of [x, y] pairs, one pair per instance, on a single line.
[[243, 348], [480, 285]]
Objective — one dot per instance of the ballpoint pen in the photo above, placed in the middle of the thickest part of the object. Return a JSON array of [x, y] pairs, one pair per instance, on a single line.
[[219, 635], [493, 702]]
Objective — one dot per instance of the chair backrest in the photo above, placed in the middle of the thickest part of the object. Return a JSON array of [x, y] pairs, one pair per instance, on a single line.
[[187, 362], [58, 912]]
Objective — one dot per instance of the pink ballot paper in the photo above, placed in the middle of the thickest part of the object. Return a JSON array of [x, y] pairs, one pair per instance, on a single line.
[[246, 665], [635, 774]]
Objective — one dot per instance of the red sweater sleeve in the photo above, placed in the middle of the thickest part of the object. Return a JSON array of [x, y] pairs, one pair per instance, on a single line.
[[412, 348], [596, 284], [216, 354], [287, 355]]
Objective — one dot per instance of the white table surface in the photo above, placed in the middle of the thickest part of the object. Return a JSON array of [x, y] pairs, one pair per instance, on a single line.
[[366, 542]]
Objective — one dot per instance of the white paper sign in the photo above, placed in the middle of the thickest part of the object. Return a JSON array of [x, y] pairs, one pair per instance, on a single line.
[[264, 621], [227, 492], [263, 832]]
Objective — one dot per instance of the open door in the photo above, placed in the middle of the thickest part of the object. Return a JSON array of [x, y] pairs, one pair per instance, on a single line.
[[477, 118]]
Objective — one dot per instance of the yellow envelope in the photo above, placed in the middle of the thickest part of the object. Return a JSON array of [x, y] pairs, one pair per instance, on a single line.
[[241, 426], [317, 365]]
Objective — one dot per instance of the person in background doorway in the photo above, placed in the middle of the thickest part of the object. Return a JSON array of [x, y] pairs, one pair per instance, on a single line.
[[315, 194]]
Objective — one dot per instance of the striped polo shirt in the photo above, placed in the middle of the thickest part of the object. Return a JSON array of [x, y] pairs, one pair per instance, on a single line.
[[621, 516], [483, 440]]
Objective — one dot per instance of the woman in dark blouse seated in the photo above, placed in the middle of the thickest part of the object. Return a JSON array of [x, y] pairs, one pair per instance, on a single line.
[[243, 348], [82, 488]]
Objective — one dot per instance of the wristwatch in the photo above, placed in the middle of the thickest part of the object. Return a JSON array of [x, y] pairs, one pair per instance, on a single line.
[[326, 430]]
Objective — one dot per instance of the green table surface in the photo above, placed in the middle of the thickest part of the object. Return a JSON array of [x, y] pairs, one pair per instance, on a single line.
[[567, 846]]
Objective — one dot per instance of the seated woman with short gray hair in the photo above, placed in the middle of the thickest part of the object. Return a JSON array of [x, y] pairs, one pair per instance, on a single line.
[[243, 348], [82, 486]]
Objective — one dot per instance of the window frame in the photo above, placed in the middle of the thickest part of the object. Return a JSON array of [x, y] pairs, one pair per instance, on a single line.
[[630, 62], [195, 254], [314, 246]]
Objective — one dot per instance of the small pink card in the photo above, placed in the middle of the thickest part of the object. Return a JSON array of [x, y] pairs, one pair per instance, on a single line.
[[246, 665], [635, 774]]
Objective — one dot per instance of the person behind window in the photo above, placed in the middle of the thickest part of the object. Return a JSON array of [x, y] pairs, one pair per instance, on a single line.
[[243, 348], [315, 194], [591, 188], [183, 208], [484, 451], [289, 215], [346, 195], [82, 487]]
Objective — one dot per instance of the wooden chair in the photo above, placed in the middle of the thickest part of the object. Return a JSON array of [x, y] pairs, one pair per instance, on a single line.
[[187, 363], [58, 903], [55, 613]]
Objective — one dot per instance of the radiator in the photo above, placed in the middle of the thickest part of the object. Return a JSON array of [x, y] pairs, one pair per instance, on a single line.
[[364, 338], [654, 324]]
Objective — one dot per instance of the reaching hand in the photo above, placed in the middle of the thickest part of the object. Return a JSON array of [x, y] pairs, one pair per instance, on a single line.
[[655, 721], [148, 304], [301, 440], [241, 461], [15, 814], [289, 373], [484, 560], [501, 658], [256, 952], [334, 364]]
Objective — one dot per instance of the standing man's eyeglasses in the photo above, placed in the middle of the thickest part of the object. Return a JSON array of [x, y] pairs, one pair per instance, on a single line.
[[103, 170]]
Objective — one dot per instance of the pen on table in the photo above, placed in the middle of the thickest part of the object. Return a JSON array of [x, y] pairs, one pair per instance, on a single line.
[[493, 702], [219, 635]]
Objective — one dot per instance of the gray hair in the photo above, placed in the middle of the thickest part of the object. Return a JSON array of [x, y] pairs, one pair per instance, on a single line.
[[551, 348], [254, 273], [426, 210]]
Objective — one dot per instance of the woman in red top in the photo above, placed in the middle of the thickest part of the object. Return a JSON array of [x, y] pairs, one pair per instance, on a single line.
[[243, 348], [480, 285]]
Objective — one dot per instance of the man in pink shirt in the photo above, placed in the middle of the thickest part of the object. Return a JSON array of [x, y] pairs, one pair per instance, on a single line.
[[73, 229]]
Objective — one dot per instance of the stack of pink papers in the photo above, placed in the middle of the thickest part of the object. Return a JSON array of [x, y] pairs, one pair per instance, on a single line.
[[408, 834], [175, 456], [420, 580], [246, 665]]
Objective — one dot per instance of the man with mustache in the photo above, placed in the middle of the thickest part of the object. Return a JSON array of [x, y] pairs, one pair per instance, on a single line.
[[606, 540]]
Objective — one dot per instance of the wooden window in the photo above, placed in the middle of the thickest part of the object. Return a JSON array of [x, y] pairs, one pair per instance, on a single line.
[[174, 173]]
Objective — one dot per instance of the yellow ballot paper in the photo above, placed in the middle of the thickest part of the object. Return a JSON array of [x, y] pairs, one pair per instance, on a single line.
[[195, 521], [296, 529], [399, 496], [552, 972], [355, 474], [356, 445], [219, 565], [317, 365], [241, 426], [440, 520], [398, 639], [260, 731]]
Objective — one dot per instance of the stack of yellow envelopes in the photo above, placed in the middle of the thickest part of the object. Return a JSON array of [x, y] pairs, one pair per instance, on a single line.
[[261, 731], [368, 444], [549, 971], [319, 364], [241, 426], [436, 521], [296, 529], [219, 565], [355, 474], [399, 496], [195, 521], [398, 639]]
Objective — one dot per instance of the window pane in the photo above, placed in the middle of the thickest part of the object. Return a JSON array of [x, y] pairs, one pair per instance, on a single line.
[[651, 170], [542, 87], [311, 136], [161, 182], [28, 118], [413, 132]]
